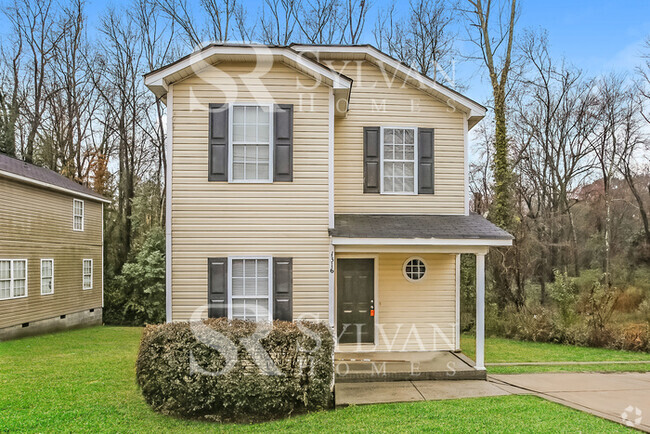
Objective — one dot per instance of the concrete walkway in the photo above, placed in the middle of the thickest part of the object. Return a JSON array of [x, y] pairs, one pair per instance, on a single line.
[[406, 391], [620, 397]]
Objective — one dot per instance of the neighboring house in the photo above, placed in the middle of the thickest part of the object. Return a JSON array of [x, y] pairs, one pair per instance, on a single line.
[[51, 244], [320, 182]]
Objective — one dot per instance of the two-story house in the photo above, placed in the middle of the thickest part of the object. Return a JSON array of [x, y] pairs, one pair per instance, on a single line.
[[323, 183], [51, 248]]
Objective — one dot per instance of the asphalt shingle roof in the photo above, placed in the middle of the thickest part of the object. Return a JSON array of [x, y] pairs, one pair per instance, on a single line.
[[41, 174], [472, 226]]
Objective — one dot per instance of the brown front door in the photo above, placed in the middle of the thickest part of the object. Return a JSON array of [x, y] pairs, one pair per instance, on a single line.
[[355, 300]]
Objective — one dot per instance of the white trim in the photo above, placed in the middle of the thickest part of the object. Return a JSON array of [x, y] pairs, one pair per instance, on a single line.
[[157, 79], [168, 205], [466, 163], [332, 286], [51, 186], [420, 241], [406, 276], [11, 278], [74, 215], [480, 312], [270, 279], [374, 55], [231, 144], [51, 277], [330, 162], [415, 161], [458, 262], [83, 273]]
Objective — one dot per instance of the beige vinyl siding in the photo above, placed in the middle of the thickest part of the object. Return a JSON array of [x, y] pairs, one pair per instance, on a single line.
[[413, 316], [219, 219], [35, 224], [379, 99]]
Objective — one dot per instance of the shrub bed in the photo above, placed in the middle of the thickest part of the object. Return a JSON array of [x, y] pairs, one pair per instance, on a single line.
[[236, 370]]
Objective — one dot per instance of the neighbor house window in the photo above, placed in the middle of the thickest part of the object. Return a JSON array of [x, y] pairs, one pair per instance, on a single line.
[[398, 150], [47, 276], [251, 143], [13, 278], [251, 289], [78, 215], [88, 274]]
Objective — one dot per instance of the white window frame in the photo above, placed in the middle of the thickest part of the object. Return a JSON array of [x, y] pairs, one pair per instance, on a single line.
[[270, 261], [83, 215], [52, 277], [231, 114], [83, 263], [426, 269], [416, 158], [11, 278]]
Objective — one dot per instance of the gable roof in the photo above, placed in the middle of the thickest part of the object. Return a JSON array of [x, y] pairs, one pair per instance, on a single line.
[[158, 81], [425, 227], [473, 109], [306, 59], [21, 171]]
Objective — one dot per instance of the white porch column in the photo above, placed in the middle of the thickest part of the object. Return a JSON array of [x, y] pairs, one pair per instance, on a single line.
[[480, 311]]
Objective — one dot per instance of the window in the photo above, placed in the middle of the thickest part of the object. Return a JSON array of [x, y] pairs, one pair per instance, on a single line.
[[414, 269], [47, 276], [13, 278], [399, 154], [251, 143], [78, 215], [88, 274], [250, 289]]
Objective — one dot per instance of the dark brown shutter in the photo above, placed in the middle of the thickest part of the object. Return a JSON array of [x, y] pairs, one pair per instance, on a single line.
[[425, 163], [218, 146], [283, 143], [371, 143], [282, 289], [217, 287]]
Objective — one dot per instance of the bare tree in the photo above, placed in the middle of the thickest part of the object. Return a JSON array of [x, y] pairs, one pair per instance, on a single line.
[[279, 21], [606, 143], [423, 39], [319, 21], [355, 12], [35, 22]]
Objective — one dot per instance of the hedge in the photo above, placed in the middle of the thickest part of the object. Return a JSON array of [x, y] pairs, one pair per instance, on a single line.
[[181, 373]]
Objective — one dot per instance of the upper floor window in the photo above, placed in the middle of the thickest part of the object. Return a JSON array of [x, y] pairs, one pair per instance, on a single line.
[[398, 161], [47, 276], [13, 278], [87, 274], [251, 159], [77, 215]]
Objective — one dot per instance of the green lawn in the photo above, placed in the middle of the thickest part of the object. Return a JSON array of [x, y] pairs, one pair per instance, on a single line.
[[83, 381], [499, 350]]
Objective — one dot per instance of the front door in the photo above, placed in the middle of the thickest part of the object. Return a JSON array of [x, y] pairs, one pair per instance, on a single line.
[[355, 300]]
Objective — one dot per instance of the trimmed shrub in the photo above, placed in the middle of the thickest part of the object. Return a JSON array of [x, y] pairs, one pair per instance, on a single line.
[[236, 370]]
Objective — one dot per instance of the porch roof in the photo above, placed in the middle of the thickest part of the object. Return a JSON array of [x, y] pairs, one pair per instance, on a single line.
[[447, 229]]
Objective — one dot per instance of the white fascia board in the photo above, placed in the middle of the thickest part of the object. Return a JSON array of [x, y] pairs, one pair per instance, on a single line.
[[157, 78], [344, 241], [51, 186], [374, 55]]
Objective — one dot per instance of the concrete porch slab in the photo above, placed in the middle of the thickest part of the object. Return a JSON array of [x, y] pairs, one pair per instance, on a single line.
[[404, 366], [408, 391]]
